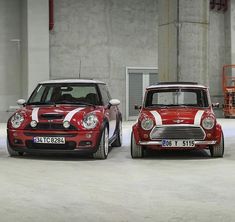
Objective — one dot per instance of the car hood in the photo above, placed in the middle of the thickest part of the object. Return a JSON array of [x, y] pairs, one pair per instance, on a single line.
[[58, 114], [177, 116]]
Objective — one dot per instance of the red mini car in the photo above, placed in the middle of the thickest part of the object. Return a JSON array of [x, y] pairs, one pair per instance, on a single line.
[[66, 116], [177, 116]]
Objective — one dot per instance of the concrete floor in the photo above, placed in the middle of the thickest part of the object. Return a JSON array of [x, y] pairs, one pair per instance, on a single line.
[[170, 186]]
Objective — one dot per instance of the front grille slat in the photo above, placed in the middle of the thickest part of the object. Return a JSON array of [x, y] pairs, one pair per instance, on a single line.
[[50, 126], [177, 132]]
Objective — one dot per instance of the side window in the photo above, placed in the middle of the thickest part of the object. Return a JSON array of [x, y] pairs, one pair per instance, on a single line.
[[104, 94]]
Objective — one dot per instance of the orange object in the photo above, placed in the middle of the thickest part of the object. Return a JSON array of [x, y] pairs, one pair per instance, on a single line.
[[229, 91]]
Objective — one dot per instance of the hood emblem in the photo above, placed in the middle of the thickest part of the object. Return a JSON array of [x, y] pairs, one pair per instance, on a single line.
[[178, 121]]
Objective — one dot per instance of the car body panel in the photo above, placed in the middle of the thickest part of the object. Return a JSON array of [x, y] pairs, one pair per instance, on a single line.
[[50, 119], [176, 123]]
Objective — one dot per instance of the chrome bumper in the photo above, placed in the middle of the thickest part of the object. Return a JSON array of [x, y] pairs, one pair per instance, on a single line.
[[159, 143]]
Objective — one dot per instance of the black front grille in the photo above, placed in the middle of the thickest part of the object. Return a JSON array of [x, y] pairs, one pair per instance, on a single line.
[[177, 132], [67, 146], [52, 116], [50, 135], [50, 126]]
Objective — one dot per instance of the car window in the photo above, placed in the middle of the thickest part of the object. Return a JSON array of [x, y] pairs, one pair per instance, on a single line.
[[66, 93], [177, 97], [104, 93]]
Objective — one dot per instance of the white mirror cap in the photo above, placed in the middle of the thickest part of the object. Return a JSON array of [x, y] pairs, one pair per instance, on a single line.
[[114, 102], [21, 101]]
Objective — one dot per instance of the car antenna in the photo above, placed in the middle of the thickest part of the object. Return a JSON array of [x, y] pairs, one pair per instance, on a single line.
[[80, 67]]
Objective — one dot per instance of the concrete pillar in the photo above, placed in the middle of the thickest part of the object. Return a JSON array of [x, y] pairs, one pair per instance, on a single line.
[[35, 50], [232, 28], [183, 40]]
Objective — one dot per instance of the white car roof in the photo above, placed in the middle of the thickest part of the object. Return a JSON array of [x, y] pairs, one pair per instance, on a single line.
[[175, 85], [71, 81]]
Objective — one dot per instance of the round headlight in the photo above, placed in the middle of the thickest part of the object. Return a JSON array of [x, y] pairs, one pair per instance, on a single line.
[[147, 124], [208, 123], [90, 121], [66, 124], [16, 120], [33, 123]]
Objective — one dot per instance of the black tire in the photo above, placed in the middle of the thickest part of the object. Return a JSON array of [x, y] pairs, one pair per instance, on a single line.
[[118, 141], [136, 150], [11, 151], [217, 150], [103, 149]]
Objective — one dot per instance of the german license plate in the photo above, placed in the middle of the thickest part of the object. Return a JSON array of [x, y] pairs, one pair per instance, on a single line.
[[178, 143], [49, 140]]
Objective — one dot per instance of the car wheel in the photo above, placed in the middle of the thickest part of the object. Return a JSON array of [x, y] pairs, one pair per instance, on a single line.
[[103, 149], [218, 149], [11, 151], [136, 150], [118, 141]]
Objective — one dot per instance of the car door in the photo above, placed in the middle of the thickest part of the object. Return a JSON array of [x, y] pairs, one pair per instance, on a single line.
[[111, 112]]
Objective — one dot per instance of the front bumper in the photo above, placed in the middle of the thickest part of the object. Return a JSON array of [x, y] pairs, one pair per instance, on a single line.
[[75, 141], [159, 143]]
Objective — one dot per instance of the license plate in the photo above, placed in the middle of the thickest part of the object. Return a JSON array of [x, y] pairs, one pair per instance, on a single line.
[[49, 140], [178, 143]]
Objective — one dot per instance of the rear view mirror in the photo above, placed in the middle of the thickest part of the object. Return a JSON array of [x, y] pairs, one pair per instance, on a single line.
[[21, 102], [215, 105], [114, 102], [138, 107]]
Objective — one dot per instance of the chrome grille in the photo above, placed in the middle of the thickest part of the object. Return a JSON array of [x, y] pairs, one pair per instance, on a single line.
[[177, 132]]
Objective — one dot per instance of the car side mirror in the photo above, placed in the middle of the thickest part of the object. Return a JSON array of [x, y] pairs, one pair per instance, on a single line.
[[21, 102], [138, 107], [114, 102], [215, 105]]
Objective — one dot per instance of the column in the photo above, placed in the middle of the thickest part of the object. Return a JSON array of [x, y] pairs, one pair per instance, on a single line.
[[183, 40], [35, 50]]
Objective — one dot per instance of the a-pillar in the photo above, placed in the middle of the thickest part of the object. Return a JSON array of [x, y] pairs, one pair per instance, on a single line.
[[183, 40], [35, 44]]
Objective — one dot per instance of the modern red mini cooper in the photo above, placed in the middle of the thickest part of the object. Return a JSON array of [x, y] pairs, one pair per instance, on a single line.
[[69, 116], [177, 116]]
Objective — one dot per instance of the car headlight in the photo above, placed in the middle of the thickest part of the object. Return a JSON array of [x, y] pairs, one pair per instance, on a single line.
[[208, 123], [16, 120], [147, 124], [90, 121]]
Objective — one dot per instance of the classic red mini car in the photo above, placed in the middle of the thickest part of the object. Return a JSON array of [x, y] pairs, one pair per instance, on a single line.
[[69, 116], [177, 116]]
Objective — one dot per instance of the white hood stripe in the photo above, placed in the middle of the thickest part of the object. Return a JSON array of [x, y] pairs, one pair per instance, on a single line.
[[157, 116], [70, 115], [35, 114], [198, 117]]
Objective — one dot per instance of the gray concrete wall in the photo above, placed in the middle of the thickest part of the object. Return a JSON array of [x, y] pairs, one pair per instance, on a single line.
[[10, 59], [217, 55], [107, 36]]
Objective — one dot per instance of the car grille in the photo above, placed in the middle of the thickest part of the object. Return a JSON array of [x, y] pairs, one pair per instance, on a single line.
[[50, 126], [52, 116], [50, 135], [67, 146], [177, 132]]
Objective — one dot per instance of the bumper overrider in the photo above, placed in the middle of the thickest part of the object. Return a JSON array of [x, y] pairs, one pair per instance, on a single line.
[[75, 141]]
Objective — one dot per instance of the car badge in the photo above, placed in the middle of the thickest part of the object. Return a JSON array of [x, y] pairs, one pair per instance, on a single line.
[[178, 121]]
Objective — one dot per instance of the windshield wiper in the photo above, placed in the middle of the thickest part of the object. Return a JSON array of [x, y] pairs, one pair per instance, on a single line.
[[75, 103], [40, 103]]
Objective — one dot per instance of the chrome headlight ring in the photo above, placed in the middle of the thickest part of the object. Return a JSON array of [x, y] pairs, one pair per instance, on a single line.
[[90, 121], [16, 120], [147, 124], [208, 123]]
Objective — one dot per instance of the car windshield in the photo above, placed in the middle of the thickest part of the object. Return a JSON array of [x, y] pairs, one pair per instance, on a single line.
[[177, 97], [81, 94]]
